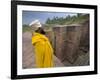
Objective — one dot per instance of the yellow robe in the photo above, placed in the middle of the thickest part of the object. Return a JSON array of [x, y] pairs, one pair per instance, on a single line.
[[43, 51]]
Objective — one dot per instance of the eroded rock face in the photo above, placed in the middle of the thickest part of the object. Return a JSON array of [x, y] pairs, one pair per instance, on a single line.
[[70, 41]]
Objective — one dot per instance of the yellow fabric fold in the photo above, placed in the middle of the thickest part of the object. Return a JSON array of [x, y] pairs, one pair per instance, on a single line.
[[43, 51]]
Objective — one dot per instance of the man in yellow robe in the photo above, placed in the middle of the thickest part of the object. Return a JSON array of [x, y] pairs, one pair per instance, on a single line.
[[42, 46]]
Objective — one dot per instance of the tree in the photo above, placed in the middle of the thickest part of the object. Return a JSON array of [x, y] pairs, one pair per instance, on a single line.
[[48, 21]]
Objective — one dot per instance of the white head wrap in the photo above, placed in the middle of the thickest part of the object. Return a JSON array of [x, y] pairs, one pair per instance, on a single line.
[[35, 24]]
